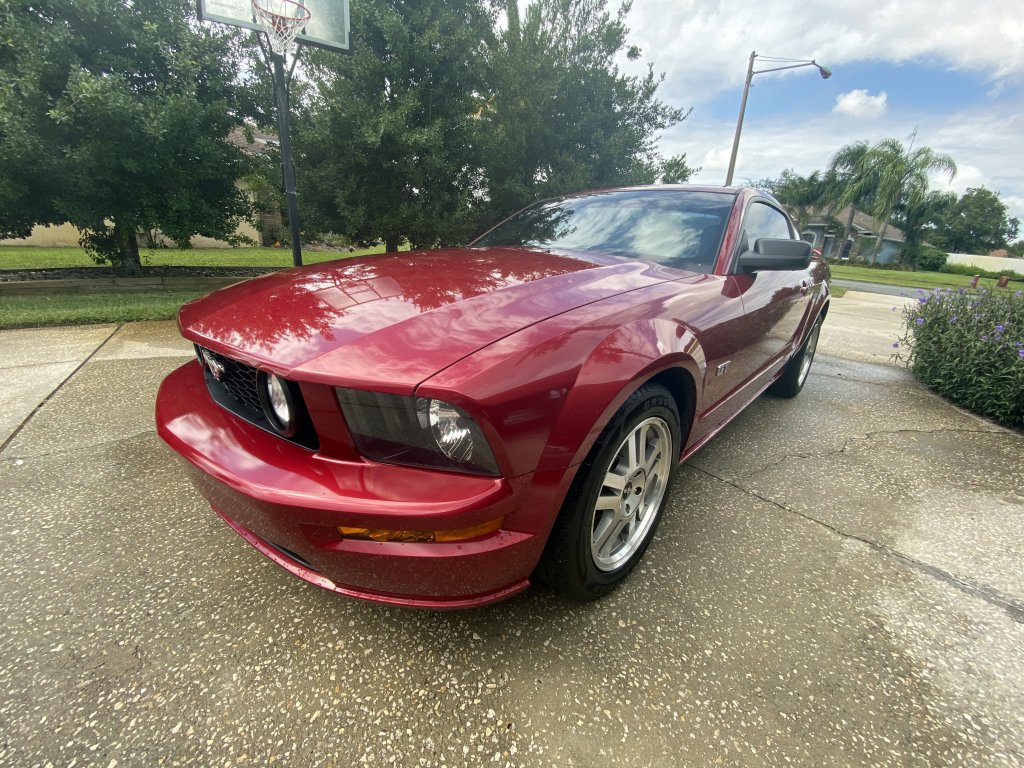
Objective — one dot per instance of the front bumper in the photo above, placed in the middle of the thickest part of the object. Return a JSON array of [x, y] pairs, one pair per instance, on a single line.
[[287, 502]]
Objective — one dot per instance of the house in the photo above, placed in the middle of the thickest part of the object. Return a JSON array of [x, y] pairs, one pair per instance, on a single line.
[[823, 233], [270, 221]]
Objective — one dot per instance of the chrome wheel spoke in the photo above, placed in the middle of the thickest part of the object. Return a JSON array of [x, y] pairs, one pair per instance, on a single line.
[[651, 497], [610, 537], [650, 466], [603, 532], [631, 493], [615, 481], [633, 447], [808, 358]]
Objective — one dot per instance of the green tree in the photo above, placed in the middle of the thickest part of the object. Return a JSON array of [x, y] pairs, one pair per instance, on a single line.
[[675, 170], [917, 215], [976, 223], [113, 117], [845, 168], [891, 173], [388, 147], [561, 116], [801, 194]]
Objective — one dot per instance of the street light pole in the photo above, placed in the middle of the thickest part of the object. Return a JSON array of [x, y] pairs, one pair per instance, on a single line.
[[826, 73], [739, 120]]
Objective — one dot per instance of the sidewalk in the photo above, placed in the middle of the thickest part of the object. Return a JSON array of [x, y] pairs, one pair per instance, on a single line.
[[862, 327], [36, 362]]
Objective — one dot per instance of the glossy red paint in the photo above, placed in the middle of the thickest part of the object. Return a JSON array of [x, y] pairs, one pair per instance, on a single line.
[[539, 348], [392, 321]]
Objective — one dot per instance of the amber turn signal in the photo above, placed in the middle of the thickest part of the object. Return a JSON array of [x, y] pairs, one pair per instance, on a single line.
[[458, 534]]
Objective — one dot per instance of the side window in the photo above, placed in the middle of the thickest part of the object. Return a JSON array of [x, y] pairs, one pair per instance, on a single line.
[[762, 221]]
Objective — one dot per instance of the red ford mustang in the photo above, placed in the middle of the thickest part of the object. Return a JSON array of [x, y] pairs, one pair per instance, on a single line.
[[433, 429]]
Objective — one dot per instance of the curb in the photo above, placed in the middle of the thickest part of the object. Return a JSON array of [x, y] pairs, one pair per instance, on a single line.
[[118, 284]]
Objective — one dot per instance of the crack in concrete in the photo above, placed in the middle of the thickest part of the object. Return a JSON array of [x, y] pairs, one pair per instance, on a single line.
[[78, 449], [866, 436], [57, 389], [1013, 608]]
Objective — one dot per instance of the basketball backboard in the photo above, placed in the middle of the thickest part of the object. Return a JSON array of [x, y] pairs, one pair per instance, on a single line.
[[328, 25]]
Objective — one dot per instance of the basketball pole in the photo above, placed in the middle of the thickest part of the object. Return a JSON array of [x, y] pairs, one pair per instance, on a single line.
[[281, 93]]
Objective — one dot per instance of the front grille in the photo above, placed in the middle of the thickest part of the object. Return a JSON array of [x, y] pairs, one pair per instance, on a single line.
[[240, 380], [237, 389]]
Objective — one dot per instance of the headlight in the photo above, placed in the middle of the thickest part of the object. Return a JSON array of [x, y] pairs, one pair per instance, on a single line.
[[452, 431], [276, 398], [416, 431]]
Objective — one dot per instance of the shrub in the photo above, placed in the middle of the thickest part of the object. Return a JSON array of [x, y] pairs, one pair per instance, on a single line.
[[970, 270], [969, 347], [931, 259]]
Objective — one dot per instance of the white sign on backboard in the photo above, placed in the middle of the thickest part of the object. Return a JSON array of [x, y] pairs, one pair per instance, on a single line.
[[328, 25]]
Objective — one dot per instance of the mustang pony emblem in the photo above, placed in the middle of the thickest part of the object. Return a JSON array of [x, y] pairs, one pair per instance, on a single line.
[[215, 366]]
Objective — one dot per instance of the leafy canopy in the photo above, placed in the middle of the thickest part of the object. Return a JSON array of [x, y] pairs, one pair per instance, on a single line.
[[387, 143], [561, 116], [449, 116], [113, 116], [976, 223]]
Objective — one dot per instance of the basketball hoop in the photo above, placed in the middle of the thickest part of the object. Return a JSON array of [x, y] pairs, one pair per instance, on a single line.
[[281, 20]]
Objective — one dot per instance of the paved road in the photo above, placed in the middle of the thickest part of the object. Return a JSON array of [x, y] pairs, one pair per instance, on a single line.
[[839, 581], [858, 285]]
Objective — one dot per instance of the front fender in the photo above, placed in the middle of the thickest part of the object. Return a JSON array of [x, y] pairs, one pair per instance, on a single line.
[[543, 396], [618, 366]]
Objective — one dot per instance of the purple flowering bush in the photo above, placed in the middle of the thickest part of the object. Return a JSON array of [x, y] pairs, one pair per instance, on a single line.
[[969, 347]]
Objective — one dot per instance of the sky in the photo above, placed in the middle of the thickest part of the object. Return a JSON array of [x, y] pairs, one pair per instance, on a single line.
[[951, 71]]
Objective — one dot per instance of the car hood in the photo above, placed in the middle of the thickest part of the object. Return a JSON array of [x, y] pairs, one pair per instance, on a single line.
[[391, 321]]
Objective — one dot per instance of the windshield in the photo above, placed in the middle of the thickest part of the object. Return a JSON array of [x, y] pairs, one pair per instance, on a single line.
[[678, 228]]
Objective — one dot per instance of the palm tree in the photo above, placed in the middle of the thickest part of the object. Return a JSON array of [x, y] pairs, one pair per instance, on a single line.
[[800, 194], [843, 171], [914, 215], [894, 173]]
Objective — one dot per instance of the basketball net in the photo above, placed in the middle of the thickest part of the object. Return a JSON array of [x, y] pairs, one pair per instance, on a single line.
[[281, 20]]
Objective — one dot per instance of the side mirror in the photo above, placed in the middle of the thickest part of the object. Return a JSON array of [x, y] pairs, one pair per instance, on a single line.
[[770, 253]]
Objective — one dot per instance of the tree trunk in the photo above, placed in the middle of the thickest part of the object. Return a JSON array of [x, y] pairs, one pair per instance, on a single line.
[[878, 242], [128, 247], [391, 243], [849, 227]]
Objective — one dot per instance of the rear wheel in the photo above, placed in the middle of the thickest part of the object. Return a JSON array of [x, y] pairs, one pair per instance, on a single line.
[[797, 369], [610, 515]]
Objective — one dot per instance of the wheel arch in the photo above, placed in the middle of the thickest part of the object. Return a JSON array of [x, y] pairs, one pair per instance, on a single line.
[[661, 352], [679, 382]]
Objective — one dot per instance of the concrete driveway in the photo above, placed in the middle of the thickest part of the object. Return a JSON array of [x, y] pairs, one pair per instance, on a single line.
[[839, 581]]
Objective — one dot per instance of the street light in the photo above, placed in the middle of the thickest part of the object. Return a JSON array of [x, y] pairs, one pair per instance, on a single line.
[[826, 73]]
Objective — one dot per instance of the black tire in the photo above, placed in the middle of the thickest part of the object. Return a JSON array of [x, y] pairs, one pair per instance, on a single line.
[[574, 564], [794, 374]]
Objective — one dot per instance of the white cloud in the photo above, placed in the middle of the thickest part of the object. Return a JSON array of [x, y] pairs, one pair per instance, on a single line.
[[967, 176], [985, 144], [703, 46], [859, 103], [717, 159]]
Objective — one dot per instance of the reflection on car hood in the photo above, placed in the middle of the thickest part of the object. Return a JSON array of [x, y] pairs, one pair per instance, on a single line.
[[391, 321]]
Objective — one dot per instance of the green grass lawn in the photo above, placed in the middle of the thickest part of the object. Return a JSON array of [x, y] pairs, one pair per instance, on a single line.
[[924, 280], [86, 308], [38, 257], [112, 307]]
